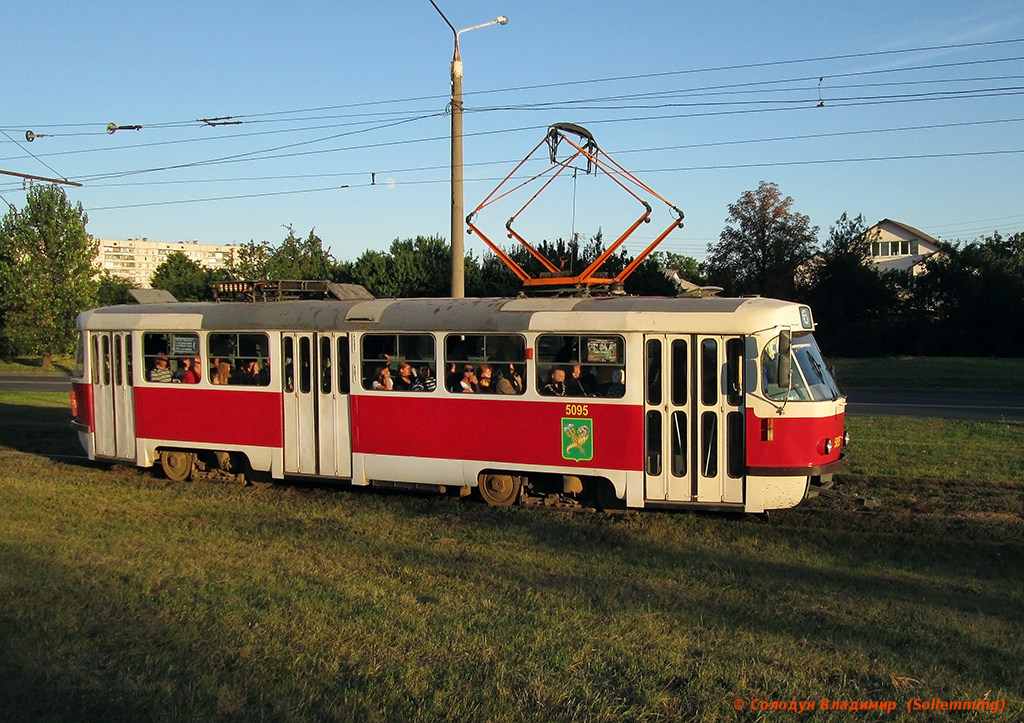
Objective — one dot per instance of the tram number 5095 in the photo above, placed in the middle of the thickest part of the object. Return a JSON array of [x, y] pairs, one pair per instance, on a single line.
[[576, 410]]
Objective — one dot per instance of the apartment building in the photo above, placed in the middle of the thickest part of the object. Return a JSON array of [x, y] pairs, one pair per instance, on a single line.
[[137, 258]]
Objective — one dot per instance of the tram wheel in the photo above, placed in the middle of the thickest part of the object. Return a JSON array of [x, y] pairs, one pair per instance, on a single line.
[[605, 496], [177, 465], [499, 490]]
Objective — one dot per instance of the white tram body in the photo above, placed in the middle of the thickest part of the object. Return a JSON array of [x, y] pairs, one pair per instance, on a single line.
[[677, 403]]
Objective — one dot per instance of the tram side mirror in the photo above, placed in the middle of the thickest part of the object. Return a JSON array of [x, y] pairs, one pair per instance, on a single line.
[[785, 359]]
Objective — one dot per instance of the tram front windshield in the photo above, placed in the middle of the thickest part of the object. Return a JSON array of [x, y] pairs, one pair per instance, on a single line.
[[811, 380]]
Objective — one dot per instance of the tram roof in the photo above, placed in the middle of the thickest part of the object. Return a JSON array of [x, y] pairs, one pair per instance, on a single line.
[[629, 313]]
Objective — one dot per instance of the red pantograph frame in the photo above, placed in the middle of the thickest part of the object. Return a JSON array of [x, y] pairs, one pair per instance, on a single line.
[[585, 148]]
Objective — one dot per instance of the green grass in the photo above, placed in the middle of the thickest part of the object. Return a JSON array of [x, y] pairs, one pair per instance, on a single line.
[[33, 365], [954, 467], [124, 597], [931, 373]]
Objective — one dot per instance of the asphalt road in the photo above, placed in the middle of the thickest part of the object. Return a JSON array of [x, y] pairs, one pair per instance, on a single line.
[[945, 404], [35, 383], [862, 402]]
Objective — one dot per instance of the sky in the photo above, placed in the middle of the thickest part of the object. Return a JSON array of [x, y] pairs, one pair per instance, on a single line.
[[332, 116]]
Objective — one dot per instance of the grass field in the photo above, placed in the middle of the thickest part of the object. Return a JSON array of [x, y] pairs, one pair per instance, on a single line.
[[33, 365], [931, 373], [124, 597]]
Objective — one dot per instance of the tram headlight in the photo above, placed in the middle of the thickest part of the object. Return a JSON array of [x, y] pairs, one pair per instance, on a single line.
[[828, 446], [846, 438]]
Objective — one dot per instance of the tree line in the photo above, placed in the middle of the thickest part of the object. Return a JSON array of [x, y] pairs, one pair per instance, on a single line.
[[970, 301]]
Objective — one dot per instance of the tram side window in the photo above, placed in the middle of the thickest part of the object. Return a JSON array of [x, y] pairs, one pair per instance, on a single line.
[[485, 363], [105, 343], [95, 360], [326, 372], [168, 356], [118, 361], [581, 365], [239, 358], [399, 362], [342, 359]]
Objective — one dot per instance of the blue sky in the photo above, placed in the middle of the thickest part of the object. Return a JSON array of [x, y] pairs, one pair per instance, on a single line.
[[702, 101]]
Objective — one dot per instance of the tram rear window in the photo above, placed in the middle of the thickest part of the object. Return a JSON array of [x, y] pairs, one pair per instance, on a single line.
[[485, 363], [168, 355], [413, 355], [79, 355], [237, 358], [592, 365]]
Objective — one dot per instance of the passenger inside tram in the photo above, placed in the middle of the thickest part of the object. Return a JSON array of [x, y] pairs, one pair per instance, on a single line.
[[194, 373], [556, 383], [484, 377], [184, 366], [223, 376], [577, 385], [467, 383], [510, 381], [616, 388], [406, 377], [424, 381], [160, 371], [382, 379]]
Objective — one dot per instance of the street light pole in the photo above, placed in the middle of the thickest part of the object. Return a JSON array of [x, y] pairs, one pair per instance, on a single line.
[[458, 214]]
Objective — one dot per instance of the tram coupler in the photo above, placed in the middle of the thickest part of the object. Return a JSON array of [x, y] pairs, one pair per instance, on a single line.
[[826, 488]]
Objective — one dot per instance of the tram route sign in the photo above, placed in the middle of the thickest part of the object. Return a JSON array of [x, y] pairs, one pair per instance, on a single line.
[[185, 345], [577, 439]]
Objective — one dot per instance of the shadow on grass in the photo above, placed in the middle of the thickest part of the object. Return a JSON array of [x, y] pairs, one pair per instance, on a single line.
[[45, 431], [31, 365], [93, 643]]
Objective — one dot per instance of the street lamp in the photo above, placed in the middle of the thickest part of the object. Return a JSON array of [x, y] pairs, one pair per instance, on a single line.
[[458, 228]]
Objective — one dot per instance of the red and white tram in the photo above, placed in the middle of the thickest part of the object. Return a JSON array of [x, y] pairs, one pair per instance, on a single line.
[[712, 403]]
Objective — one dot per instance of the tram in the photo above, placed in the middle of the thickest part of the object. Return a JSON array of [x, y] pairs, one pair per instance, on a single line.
[[625, 402]]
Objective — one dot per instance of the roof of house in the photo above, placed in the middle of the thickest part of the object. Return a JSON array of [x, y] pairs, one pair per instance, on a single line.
[[917, 232]]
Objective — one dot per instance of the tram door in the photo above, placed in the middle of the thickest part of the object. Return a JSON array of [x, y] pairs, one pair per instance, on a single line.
[[299, 404], [335, 447], [694, 419], [113, 401], [316, 412]]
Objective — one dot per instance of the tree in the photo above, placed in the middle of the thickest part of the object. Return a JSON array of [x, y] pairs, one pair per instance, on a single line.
[[760, 252], [251, 262], [852, 301], [183, 277], [686, 266], [113, 289], [651, 277], [46, 270], [974, 294], [301, 259], [490, 277], [419, 267]]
